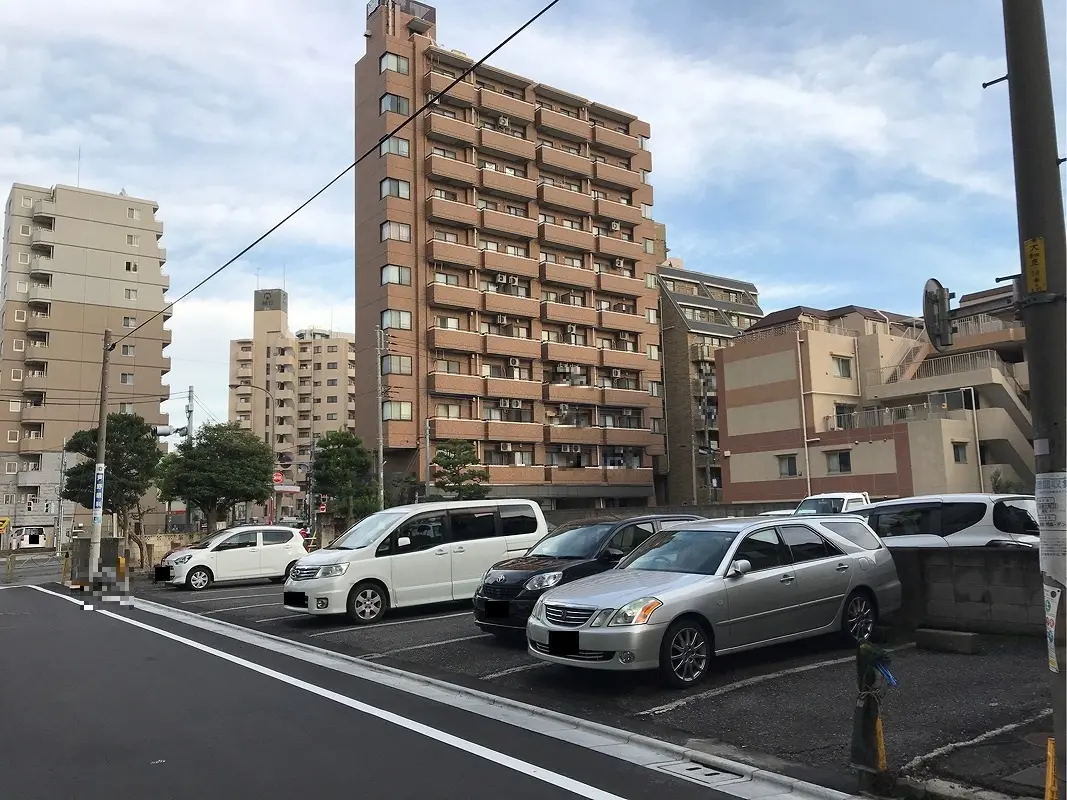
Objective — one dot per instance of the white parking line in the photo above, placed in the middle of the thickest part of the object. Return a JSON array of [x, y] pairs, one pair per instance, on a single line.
[[513, 670], [226, 597], [918, 761], [275, 619], [394, 622], [755, 680], [226, 591], [428, 644], [236, 608]]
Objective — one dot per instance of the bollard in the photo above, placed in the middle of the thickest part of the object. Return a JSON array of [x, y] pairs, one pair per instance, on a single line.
[[65, 577], [868, 740], [1051, 784]]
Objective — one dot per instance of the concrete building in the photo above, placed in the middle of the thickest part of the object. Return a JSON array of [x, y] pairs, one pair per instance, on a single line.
[[290, 388], [75, 262], [504, 241], [855, 399], [699, 314]]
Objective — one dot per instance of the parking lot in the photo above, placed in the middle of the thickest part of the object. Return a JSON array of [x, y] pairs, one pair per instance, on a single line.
[[789, 707]]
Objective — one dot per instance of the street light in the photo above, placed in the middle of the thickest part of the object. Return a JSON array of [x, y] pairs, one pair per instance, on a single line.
[[273, 439]]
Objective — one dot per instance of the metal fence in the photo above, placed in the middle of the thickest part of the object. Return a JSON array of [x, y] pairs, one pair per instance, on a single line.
[[942, 366], [793, 327]]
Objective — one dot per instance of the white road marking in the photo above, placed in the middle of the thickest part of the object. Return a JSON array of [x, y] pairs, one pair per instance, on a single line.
[[509, 762], [394, 622], [513, 670], [755, 680], [227, 597], [237, 608], [428, 644], [228, 590], [275, 619], [948, 748]]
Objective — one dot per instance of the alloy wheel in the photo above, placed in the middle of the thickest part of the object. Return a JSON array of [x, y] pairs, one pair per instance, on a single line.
[[689, 654], [860, 618], [368, 604]]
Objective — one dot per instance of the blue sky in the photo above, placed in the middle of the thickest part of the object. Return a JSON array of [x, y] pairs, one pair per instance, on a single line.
[[832, 152]]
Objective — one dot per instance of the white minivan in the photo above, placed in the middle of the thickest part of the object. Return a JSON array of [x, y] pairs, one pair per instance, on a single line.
[[412, 555]]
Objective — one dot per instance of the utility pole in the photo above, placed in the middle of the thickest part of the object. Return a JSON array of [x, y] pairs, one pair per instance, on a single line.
[[101, 444], [58, 536], [188, 437], [1042, 291], [379, 348], [426, 445]]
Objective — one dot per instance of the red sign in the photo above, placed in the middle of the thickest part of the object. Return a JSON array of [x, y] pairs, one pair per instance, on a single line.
[[278, 477], [322, 508]]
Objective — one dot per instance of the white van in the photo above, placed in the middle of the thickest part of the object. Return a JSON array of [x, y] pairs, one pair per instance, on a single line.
[[955, 520], [412, 555]]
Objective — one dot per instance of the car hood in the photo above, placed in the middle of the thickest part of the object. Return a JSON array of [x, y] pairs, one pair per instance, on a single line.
[[320, 558], [524, 566], [616, 587]]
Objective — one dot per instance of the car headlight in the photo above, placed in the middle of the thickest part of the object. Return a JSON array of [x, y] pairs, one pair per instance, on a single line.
[[635, 612], [545, 580], [182, 559], [538, 612], [332, 570], [601, 617]]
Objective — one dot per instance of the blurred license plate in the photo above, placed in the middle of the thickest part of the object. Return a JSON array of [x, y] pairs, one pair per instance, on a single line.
[[496, 609], [563, 643]]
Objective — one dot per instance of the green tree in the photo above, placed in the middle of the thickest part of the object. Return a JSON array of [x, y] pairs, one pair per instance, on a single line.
[[459, 472], [342, 470], [131, 456], [401, 490], [216, 469]]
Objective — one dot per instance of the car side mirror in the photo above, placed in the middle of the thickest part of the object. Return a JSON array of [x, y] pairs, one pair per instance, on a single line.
[[739, 568], [611, 556], [403, 541]]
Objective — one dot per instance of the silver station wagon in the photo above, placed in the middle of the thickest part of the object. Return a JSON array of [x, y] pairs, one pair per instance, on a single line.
[[719, 586]]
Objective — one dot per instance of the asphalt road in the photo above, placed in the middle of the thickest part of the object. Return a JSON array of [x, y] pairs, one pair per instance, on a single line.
[[118, 703]]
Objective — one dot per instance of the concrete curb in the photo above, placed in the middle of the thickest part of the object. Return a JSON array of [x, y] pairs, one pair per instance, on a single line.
[[671, 752], [940, 789]]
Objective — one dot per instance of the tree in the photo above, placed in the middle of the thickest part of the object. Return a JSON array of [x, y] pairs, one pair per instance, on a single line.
[[998, 484], [401, 490], [131, 456], [459, 472], [215, 470], [342, 471]]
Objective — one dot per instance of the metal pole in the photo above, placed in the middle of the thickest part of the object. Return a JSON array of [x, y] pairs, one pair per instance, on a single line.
[[379, 354], [427, 446], [1042, 244], [101, 444], [189, 436], [58, 537]]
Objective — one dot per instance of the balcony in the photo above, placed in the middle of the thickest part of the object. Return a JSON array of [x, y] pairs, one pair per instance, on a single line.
[[244, 372], [552, 272], [452, 253], [562, 125], [567, 393], [574, 475], [495, 261], [512, 107], [625, 359], [509, 224], [619, 177], [162, 255], [32, 381], [620, 284], [454, 131], [495, 180], [284, 430], [620, 212], [574, 434], [35, 413], [619, 248], [168, 337], [500, 303], [304, 407], [41, 268], [440, 210], [42, 237], [245, 424], [504, 144], [245, 391], [627, 476], [446, 296], [616, 142], [39, 324], [463, 93], [443, 428], [29, 477], [557, 196], [567, 313], [569, 353], [504, 476], [569, 163], [44, 209], [39, 293], [631, 437], [515, 389], [565, 237], [31, 442], [621, 321], [451, 170], [455, 383], [511, 346], [452, 339], [526, 432]]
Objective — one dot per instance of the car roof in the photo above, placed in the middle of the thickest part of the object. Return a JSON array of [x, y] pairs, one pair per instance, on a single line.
[[742, 524], [257, 527], [960, 497], [444, 505]]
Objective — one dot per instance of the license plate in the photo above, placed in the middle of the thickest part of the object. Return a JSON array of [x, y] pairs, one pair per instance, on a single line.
[[496, 609], [295, 599], [163, 573], [563, 643]]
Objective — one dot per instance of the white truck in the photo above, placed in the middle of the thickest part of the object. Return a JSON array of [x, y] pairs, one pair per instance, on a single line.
[[829, 503]]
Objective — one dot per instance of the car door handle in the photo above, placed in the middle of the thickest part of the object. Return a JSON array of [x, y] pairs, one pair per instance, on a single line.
[[841, 567], [788, 578], [253, 550], [441, 552], [459, 550]]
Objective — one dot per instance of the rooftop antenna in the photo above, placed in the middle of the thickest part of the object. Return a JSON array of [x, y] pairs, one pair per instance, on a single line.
[[78, 179], [283, 276], [257, 279]]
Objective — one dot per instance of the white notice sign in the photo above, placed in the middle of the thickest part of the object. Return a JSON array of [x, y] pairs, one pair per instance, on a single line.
[[1051, 495]]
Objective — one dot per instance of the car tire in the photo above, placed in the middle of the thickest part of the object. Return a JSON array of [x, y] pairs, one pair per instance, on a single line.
[[367, 603], [199, 579], [858, 617], [685, 653], [285, 577]]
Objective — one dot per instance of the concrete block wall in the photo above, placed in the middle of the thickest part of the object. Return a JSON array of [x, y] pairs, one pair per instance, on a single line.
[[716, 511]]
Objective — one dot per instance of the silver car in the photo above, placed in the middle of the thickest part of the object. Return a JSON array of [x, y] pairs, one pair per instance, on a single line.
[[719, 586]]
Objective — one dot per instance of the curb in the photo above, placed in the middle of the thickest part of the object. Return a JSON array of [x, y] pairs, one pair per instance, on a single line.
[[671, 752], [941, 789]]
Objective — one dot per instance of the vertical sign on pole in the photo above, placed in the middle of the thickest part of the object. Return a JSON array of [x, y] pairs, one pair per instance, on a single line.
[[98, 496]]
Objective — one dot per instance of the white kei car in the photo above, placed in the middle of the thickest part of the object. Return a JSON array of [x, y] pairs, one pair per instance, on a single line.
[[245, 553]]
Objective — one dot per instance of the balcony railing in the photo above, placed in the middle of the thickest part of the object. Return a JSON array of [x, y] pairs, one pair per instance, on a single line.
[[956, 364], [793, 327], [983, 323]]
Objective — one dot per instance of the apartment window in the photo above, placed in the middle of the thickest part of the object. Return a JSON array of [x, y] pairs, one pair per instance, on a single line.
[[131, 266], [393, 187], [959, 452], [445, 194], [517, 172], [11, 467], [655, 388], [446, 236], [133, 213], [485, 244], [12, 436], [133, 240], [14, 405], [129, 322], [20, 315], [452, 323], [446, 278], [646, 211], [125, 408], [393, 63], [331, 365], [488, 205], [126, 378], [18, 345], [27, 202], [399, 410], [652, 315], [332, 399], [16, 375], [653, 352], [401, 276], [395, 146], [331, 382], [787, 466], [22, 287], [394, 103], [332, 416], [396, 231], [24, 230], [445, 365], [842, 367], [440, 151], [446, 410], [128, 349], [396, 365], [24, 258], [483, 164], [839, 462], [130, 294], [391, 318], [650, 245]]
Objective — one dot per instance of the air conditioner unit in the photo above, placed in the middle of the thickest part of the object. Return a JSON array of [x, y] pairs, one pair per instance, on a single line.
[[627, 412], [572, 329], [503, 122], [564, 408], [616, 373], [501, 278], [514, 281], [567, 448], [576, 370], [516, 403], [563, 367], [503, 402], [615, 226], [513, 362], [620, 263], [505, 447], [625, 336], [501, 319]]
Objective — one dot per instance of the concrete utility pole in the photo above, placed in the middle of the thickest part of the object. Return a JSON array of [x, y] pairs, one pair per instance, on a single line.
[[426, 445], [1042, 304], [188, 437], [58, 535], [379, 348], [101, 445]]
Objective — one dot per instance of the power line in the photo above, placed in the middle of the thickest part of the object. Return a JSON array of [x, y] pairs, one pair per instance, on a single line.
[[345, 171]]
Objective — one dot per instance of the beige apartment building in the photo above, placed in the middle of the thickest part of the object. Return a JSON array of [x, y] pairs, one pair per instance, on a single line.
[[856, 399], [75, 262], [699, 314], [504, 242], [290, 389]]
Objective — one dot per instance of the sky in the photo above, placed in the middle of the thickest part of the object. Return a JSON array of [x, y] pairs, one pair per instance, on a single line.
[[831, 152]]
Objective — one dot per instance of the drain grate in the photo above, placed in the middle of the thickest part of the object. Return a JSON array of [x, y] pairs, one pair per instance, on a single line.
[[698, 773]]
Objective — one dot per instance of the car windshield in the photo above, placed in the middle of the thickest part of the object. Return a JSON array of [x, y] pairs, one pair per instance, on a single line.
[[204, 544], [694, 552], [821, 505], [583, 542], [367, 531]]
